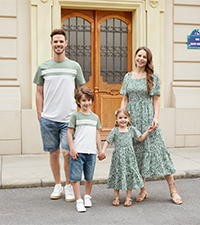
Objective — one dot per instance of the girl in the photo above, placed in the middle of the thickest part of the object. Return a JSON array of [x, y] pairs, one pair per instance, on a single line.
[[124, 173]]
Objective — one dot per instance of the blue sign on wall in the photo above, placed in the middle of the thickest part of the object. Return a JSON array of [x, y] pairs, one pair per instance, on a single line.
[[193, 40]]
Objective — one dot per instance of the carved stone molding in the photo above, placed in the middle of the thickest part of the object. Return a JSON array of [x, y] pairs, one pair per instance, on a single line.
[[44, 1], [154, 4]]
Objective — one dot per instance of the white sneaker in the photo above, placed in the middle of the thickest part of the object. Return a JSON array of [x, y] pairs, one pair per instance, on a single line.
[[79, 206], [69, 193], [57, 192], [87, 201]]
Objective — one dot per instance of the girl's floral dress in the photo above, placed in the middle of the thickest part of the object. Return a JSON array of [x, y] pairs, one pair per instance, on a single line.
[[124, 173]]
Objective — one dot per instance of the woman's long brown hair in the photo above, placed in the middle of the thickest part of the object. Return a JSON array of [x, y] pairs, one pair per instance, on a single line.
[[149, 67]]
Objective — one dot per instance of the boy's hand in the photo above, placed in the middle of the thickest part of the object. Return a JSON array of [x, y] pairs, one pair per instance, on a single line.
[[101, 155], [74, 154]]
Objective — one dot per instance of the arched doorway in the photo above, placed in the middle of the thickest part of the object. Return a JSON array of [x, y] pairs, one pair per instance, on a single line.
[[101, 42]]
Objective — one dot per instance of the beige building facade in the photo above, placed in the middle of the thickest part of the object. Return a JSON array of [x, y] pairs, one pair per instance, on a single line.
[[162, 25]]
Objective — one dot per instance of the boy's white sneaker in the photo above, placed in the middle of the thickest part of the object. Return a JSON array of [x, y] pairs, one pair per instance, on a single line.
[[79, 206], [69, 193], [87, 201], [57, 192]]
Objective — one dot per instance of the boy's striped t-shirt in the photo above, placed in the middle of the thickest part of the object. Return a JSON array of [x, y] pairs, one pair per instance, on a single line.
[[59, 80], [85, 131]]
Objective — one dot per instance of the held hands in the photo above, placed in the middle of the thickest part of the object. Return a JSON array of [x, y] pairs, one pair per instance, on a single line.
[[101, 155], [149, 129], [74, 154]]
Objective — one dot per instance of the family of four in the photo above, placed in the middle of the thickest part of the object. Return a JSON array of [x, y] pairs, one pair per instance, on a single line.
[[139, 152]]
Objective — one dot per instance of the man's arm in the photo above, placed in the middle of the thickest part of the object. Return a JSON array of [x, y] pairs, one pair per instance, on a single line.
[[39, 100]]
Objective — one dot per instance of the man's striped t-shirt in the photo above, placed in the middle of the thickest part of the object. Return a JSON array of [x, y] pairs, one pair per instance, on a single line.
[[59, 80]]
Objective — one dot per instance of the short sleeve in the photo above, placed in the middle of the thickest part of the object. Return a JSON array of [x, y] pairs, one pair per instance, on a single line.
[[123, 90], [38, 79], [111, 136], [72, 121], [156, 85], [98, 123], [79, 78], [136, 133]]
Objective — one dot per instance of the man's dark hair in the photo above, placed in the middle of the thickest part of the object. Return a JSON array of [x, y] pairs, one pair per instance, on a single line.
[[58, 31]]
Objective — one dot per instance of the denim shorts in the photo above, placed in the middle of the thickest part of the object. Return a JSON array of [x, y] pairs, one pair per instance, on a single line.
[[53, 133], [85, 163]]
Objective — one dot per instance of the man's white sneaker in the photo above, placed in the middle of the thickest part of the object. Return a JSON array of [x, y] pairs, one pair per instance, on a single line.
[[57, 192], [79, 206], [87, 201], [69, 193]]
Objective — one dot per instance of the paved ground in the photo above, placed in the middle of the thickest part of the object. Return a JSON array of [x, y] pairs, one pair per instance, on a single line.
[[32, 206], [34, 170]]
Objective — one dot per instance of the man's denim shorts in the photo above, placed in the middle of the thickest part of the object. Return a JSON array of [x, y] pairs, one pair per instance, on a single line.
[[52, 134], [85, 163]]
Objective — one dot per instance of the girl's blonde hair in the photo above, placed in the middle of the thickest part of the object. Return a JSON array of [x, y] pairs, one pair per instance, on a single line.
[[126, 112]]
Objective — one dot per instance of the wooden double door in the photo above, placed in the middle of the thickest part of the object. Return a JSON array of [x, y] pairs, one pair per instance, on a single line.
[[101, 42]]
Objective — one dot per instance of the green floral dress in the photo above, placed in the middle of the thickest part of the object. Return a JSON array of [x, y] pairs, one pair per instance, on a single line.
[[152, 155], [124, 173]]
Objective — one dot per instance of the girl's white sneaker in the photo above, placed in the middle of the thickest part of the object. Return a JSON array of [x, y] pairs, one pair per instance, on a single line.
[[79, 206]]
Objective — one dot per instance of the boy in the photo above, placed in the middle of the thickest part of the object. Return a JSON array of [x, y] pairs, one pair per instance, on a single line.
[[83, 148]]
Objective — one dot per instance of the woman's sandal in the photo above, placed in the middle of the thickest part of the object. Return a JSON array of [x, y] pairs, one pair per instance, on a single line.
[[143, 195], [174, 194], [116, 201], [128, 202]]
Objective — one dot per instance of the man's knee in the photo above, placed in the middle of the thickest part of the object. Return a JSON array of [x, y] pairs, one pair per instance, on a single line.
[[55, 155]]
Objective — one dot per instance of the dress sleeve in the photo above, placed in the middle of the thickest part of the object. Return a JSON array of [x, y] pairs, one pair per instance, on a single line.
[[123, 90], [136, 133], [111, 136], [156, 85]]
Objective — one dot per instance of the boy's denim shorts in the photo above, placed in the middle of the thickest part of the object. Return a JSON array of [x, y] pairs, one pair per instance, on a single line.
[[53, 133], [85, 163]]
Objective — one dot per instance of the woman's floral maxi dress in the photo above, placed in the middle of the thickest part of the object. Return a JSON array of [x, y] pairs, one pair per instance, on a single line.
[[124, 173], [152, 155]]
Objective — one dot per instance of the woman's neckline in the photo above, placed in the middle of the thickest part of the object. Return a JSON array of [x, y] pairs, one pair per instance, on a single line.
[[136, 77]]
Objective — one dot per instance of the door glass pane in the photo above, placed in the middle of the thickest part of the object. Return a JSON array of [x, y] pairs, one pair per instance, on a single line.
[[114, 50], [78, 32]]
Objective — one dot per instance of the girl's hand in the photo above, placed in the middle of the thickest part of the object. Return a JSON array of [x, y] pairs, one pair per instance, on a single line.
[[149, 129], [101, 155], [74, 154], [154, 123]]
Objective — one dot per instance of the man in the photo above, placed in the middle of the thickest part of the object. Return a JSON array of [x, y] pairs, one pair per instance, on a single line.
[[56, 80]]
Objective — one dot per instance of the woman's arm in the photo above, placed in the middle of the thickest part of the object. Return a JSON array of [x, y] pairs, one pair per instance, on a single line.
[[124, 102], [156, 105]]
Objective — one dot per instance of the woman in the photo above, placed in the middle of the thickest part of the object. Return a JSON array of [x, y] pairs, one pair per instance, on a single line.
[[141, 96]]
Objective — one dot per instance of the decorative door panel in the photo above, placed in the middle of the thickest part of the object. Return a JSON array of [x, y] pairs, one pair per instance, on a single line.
[[101, 42]]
